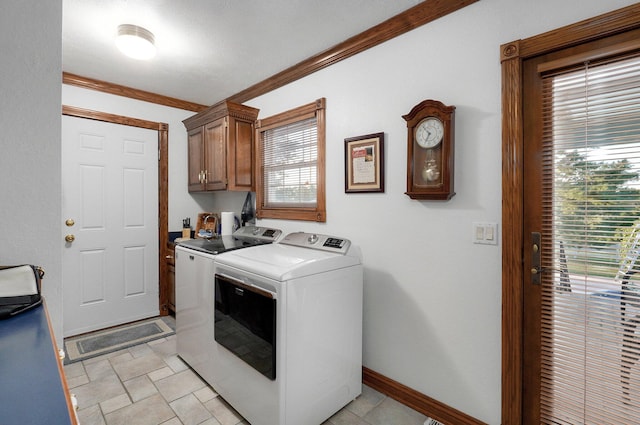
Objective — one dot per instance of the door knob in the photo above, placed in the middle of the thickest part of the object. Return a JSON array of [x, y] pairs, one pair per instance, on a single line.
[[69, 222], [69, 238]]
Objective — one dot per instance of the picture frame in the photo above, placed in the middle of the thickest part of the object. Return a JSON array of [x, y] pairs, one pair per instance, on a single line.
[[364, 163]]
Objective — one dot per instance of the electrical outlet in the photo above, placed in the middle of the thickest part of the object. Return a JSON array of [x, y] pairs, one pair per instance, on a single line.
[[485, 233]]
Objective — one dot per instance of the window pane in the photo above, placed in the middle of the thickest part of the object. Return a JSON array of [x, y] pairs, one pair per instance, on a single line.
[[290, 164], [591, 203]]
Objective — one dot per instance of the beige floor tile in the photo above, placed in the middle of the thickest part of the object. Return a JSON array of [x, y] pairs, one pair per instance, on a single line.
[[91, 416], [172, 421], [160, 373], [164, 347], [176, 363], [119, 356], [179, 385], [77, 381], [345, 417], [150, 411], [211, 421], [115, 403], [190, 410], [97, 391], [140, 388], [223, 412], [205, 394], [393, 412], [107, 356], [74, 370], [366, 401], [99, 369], [137, 366], [140, 350]]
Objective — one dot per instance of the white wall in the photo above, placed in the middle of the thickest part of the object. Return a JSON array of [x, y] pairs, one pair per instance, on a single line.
[[30, 196], [432, 314]]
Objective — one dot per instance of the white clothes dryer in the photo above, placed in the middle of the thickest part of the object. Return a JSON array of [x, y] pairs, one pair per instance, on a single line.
[[288, 329]]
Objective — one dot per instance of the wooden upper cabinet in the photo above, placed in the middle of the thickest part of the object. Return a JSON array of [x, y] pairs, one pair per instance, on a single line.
[[221, 148]]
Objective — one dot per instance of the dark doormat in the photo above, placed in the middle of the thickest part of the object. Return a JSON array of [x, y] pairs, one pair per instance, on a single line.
[[95, 344]]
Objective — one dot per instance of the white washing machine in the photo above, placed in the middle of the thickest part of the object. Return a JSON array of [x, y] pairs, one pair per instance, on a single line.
[[194, 291], [288, 329]]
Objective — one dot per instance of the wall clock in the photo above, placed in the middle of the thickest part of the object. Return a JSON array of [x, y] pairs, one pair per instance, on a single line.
[[430, 137]]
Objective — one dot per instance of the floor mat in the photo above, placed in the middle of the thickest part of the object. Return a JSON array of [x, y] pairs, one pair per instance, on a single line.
[[94, 344]]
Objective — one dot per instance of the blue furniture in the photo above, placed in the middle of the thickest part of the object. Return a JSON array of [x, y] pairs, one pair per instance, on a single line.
[[31, 379]]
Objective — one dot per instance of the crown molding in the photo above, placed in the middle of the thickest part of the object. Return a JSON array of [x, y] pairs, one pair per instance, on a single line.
[[406, 21], [118, 90]]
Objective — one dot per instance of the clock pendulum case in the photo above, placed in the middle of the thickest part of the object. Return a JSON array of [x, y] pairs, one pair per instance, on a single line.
[[430, 143]]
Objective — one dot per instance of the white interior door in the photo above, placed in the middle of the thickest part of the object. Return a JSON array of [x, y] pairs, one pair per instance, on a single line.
[[110, 191]]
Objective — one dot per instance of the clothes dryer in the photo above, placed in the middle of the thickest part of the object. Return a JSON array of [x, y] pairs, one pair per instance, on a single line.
[[288, 329]]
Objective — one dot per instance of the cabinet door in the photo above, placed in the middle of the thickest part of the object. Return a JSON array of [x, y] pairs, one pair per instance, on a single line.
[[240, 155], [195, 146], [215, 155]]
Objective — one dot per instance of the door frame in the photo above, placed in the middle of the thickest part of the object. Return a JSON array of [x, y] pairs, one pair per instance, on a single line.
[[163, 185], [512, 56]]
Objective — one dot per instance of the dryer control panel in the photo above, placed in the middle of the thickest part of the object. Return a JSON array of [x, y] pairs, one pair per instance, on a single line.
[[317, 241]]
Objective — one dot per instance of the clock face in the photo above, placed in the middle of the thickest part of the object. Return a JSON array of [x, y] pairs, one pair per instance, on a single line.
[[429, 133]]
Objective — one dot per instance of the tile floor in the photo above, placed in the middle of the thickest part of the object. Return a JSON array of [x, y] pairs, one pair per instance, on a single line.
[[149, 384]]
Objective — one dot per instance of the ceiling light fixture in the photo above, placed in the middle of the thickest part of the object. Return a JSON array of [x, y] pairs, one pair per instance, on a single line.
[[136, 42]]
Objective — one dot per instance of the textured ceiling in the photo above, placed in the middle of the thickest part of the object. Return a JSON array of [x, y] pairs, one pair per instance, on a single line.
[[208, 50]]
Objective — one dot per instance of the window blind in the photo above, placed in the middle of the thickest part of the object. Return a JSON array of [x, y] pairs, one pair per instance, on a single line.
[[591, 213], [290, 164]]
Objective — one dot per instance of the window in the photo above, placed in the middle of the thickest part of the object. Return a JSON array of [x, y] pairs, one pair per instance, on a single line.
[[290, 181]]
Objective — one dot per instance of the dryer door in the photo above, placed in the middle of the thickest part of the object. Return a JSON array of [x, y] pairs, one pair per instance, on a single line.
[[245, 323]]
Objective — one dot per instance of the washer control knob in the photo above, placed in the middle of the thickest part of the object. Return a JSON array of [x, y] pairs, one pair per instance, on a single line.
[[312, 239]]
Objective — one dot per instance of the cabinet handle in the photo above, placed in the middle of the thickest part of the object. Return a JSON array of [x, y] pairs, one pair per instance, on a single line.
[[168, 257], [206, 172]]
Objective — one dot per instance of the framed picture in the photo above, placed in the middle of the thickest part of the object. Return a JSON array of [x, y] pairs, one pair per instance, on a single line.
[[364, 163]]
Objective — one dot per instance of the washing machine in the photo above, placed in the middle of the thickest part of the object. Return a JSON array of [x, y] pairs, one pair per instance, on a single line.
[[288, 329], [194, 291]]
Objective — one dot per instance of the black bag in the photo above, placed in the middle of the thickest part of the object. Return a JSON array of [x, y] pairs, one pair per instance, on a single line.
[[19, 289]]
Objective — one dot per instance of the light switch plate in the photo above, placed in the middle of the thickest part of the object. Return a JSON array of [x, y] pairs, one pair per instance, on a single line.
[[485, 233]]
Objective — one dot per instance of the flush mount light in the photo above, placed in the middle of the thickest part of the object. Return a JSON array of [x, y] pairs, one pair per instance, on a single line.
[[135, 42]]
